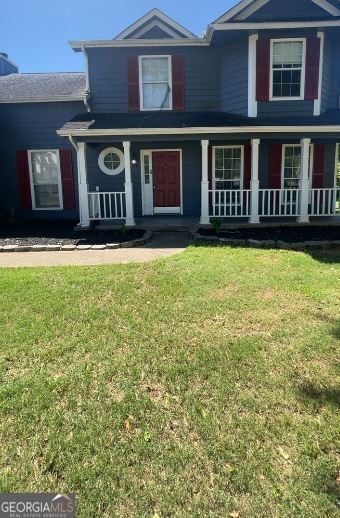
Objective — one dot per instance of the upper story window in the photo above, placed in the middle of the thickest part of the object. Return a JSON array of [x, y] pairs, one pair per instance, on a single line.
[[287, 69], [45, 177], [155, 83]]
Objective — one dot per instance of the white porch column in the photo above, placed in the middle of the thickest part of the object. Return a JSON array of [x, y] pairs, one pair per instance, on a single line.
[[254, 183], [130, 220], [205, 184], [82, 185], [304, 181]]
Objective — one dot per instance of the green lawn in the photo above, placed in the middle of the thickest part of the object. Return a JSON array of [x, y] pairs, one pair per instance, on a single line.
[[203, 385]]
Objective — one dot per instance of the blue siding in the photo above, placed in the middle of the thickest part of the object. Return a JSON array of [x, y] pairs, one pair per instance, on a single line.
[[286, 108], [31, 126], [331, 74], [234, 77], [6, 67], [289, 10], [108, 77], [191, 172]]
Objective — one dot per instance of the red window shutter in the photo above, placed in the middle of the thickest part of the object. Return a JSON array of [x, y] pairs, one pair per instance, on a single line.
[[318, 166], [178, 83], [247, 166], [275, 163], [133, 84], [66, 169], [24, 180], [312, 68], [262, 69]]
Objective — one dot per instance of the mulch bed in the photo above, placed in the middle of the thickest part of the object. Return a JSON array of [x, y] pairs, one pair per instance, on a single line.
[[287, 234], [61, 233]]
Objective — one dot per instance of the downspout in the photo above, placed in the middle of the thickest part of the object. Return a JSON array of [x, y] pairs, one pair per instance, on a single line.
[[72, 141], [87, 84]]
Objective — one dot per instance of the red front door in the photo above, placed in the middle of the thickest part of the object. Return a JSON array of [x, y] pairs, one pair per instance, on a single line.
[[166, 181]]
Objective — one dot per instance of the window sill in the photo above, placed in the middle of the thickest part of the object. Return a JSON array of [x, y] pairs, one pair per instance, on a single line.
[[156, 109], [286, 99]]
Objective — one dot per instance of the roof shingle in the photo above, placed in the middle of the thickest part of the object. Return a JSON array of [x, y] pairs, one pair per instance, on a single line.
[[40, 86]]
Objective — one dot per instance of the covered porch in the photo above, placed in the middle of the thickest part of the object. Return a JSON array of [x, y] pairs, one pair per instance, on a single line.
[[251, 199]]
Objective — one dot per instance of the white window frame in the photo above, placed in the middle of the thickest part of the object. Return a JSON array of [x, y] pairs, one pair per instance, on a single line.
[[311, 163], [106, 170], [303, 70], [141, 96], [60, 187], [337, 157], [214, 164]]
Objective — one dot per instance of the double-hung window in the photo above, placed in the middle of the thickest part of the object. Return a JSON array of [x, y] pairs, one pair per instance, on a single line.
[[45, 177], [228, 167], [288, 69], [155, 82], [292, 164]]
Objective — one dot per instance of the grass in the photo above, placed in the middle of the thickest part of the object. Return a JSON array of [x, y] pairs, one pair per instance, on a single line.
[[204, 385]]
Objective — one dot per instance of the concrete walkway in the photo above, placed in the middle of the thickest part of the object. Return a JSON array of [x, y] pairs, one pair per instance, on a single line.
[[163, 244]]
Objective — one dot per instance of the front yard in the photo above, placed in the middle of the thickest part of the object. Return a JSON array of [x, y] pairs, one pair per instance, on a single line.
[[204, 385]]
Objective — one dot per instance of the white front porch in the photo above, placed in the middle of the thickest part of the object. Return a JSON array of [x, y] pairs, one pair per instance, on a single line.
[[254, 205]]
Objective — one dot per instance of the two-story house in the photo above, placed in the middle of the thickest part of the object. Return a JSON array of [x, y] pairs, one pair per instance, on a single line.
[[242, 123]]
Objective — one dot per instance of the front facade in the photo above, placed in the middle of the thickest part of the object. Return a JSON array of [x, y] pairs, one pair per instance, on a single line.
[[242, 124]]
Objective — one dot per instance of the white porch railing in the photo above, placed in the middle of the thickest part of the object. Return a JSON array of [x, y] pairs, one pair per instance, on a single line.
[[279, 202], [106, 205], [274, 203], [325, 202], [229, 204]]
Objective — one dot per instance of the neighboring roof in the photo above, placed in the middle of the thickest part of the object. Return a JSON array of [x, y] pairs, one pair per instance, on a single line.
[[60, 86], [155, 19], [245, 8], [188, 120]]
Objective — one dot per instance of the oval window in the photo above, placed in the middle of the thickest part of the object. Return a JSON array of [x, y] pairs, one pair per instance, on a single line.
[[111, 161]]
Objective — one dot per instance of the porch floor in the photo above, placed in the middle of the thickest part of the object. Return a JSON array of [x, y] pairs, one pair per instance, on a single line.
[[183, 223]]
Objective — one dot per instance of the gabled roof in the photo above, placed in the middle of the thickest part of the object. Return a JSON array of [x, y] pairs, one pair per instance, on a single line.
[[245, 8], [60, 86], [155, 20]]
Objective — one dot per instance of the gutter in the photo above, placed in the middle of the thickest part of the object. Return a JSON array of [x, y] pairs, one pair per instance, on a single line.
[[197, 131], [42, 99], [185, 42]]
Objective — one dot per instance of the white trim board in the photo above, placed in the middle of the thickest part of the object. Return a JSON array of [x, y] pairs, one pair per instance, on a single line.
[[155, 13], [236, 26], [198, 131], [43, 99], [159, 25], [248, 7], [164, 42], [252, 102], [317, 102]]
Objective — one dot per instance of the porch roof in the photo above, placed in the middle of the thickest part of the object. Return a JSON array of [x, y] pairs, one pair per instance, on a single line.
[[90, 123]]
